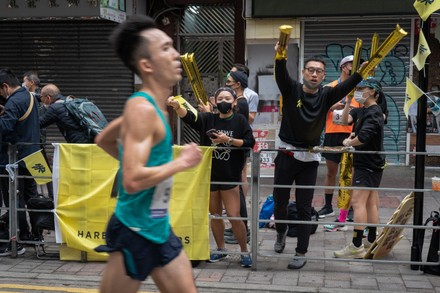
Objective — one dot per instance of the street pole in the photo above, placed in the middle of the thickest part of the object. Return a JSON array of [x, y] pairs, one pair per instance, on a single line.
[[417, 244]]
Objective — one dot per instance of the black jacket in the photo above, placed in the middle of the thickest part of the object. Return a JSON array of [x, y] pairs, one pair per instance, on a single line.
[[304, 114], [14, 131], [68, 126]]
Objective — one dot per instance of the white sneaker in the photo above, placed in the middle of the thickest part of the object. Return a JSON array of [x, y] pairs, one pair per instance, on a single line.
[[351, 251], [367, 244]]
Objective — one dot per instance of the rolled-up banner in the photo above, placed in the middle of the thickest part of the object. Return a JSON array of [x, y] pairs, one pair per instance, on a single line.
[[345, 176], [390, 42], [184, 104]]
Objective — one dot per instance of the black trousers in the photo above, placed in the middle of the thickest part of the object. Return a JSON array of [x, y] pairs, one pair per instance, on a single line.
[[289, 170], [27, 188]]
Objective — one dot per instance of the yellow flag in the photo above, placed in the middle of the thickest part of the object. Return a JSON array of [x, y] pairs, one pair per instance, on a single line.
[[37, 166], [423, 52], [412, 94], [426, 7]]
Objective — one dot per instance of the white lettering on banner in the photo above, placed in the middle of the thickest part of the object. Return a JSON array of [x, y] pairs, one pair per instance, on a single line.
[[161, 197]]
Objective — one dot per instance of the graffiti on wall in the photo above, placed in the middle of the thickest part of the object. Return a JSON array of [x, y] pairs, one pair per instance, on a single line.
[[391, 72]]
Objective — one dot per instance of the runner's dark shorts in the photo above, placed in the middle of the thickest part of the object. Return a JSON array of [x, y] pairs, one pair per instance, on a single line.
[[334, 139], [215, 187], [366, 177], [141, 256]]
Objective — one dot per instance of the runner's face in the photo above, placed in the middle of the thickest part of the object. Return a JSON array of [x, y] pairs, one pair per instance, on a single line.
[[164, 60]]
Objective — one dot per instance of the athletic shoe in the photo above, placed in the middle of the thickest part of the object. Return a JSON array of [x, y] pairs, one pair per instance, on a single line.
[[228, 232], [215, 257], [367, 244], [351, 251], [280, 243], [325, 211], [335, 227], [6, 249], [246, 260], [296, 263]]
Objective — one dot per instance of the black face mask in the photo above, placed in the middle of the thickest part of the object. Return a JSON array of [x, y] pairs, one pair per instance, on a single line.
[[224, 107]]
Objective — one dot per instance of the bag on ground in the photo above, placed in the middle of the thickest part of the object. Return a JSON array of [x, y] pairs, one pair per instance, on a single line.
[[266, 211], [292, 214], [434, 245]]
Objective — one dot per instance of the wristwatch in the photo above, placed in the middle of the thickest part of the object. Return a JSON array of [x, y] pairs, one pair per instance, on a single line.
[[230, 140]]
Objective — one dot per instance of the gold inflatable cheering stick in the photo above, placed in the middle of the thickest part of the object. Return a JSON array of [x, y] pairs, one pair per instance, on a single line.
[[285, 31], [190, 67], [374, 46], [356, 60], [345, 172], [387, 45]]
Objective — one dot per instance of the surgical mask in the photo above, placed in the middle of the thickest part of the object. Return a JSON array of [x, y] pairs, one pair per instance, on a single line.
[[359, 97], [24, 85], [224, 107]]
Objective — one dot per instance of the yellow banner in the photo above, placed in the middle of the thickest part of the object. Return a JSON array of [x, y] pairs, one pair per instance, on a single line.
[[426, 7], [189, 206], [412, 94], [423, 52], [84, 204], [37, 166]]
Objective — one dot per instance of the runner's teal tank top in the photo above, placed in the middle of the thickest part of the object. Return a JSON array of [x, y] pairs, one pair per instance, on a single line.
[[146, 212]]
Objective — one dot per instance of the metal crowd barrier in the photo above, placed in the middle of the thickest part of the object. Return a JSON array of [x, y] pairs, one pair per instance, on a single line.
[[255, 191]]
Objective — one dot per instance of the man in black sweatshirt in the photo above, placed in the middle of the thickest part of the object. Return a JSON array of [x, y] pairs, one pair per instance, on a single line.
[[305, 106]]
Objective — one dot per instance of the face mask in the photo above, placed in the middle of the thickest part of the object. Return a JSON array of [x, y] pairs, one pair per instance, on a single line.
[[359, 97], [24, 85], [224, 107]]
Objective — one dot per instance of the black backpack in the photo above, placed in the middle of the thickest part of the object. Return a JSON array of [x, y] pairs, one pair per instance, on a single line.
[[433, 246], [292, 214]]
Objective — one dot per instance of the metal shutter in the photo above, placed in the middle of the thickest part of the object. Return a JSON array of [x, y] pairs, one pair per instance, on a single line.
[[74, 55], [208, 32], [336, 38]]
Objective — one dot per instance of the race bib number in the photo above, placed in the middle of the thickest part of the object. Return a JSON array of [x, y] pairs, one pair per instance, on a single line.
[[161, 198], [337, 117]]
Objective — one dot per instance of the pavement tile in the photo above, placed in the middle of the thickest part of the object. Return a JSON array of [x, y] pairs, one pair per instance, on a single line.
[[417, 284], [260, 277], [289, 278], [362, 281], [210, 276], [306, 279], [336, 284]]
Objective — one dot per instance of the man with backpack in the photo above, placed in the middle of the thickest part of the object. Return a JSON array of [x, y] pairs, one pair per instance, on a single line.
[[72, 128]]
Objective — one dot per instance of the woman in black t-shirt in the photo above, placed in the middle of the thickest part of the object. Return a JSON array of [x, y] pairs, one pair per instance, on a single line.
[[368, 168], [228, 130]]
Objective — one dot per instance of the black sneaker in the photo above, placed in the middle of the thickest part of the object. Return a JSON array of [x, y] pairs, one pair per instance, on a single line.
[[280, 243], [6, 249], [325, 211]]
